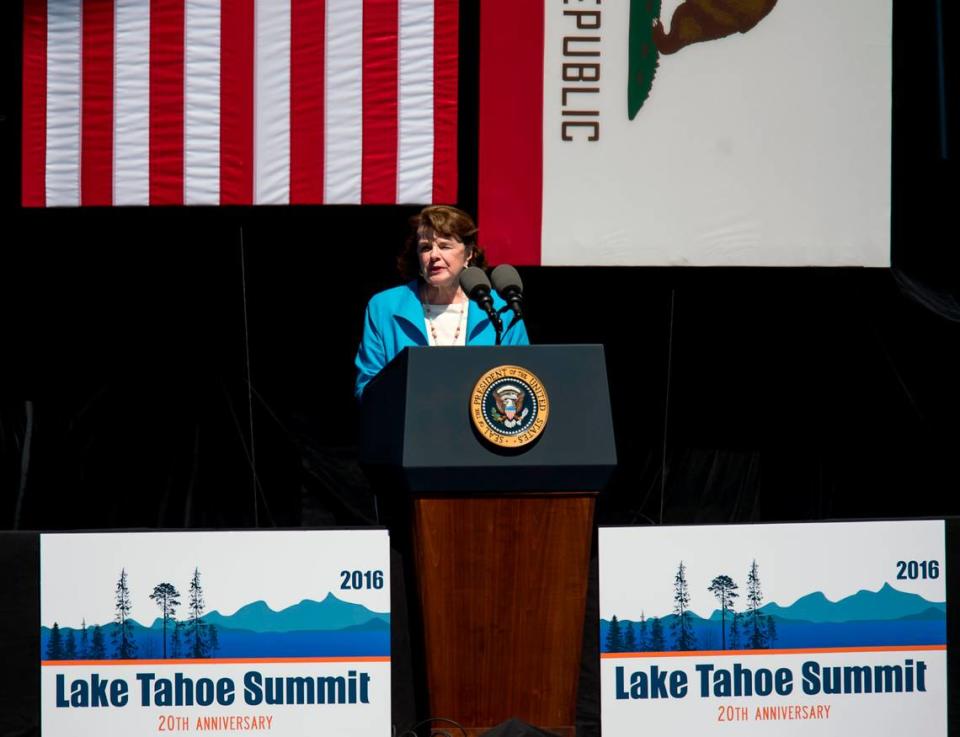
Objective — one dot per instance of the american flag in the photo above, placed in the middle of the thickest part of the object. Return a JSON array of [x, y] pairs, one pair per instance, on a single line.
[[239, 102]]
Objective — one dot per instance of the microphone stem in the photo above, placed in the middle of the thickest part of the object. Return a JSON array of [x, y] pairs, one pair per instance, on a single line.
[[494, 318]]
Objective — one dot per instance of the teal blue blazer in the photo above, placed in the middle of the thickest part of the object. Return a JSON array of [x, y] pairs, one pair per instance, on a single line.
[[394, 321]]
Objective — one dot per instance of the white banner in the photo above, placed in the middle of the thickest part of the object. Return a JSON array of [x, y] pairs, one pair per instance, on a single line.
[[279, 632], [812, 629]]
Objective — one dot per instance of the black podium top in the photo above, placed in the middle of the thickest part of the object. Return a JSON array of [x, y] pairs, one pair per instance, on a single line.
[[416, 421]]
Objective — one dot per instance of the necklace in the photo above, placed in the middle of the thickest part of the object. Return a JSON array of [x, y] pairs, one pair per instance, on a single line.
[[461, 318]]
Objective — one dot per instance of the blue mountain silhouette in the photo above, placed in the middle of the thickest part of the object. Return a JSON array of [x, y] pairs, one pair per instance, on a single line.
[[887, 603], [928, 630], [307, 616], [928, 614], [374, 625], [877, 618], [369, 638]]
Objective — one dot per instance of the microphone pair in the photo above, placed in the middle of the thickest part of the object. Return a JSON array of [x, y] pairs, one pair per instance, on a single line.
[[505, 280]]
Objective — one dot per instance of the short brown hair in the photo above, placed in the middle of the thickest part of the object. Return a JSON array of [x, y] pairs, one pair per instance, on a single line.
[[445, 220]]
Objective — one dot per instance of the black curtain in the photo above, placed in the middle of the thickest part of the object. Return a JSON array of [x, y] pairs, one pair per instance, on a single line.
[[139, 346]]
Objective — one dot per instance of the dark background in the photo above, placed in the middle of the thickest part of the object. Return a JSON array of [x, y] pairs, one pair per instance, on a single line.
[[778, 394], [738, 394]]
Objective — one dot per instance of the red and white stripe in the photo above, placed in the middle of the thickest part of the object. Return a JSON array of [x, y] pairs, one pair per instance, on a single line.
[[207, 102]]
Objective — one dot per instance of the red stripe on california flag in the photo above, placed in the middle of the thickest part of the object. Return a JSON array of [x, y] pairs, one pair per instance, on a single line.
[[34, 134], [236, 102], [510, 197], [166, 102], [96, 126], [378, 183], [306, 101], [445, 77]]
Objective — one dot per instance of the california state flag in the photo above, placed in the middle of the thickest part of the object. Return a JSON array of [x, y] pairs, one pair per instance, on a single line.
[[701, 132]]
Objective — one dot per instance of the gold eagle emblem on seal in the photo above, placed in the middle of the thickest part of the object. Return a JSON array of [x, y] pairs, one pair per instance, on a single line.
[[509, 406]]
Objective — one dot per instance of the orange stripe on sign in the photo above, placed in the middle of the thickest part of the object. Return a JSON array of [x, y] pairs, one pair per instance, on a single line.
[[784, 651], [220, 661]]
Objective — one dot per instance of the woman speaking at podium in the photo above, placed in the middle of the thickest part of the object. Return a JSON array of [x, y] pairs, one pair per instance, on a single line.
[[431, 309]]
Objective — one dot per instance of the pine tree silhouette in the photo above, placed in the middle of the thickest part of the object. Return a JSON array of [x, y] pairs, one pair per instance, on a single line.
[[614, 642], [168, 599], [176, 640], [213, 639], [629, 637], [196, 637], [683, 635], [725, 590], [97, 649], [771, 630], [55, 644], [657, 643], [735, 643], [83, 650], [643, 635], [756, 632], [125, 647], [69, 646]]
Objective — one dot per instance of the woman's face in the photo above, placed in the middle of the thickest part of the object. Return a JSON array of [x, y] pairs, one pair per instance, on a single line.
[[442, 257]]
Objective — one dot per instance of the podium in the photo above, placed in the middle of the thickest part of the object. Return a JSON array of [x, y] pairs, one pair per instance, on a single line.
[[500, 535]]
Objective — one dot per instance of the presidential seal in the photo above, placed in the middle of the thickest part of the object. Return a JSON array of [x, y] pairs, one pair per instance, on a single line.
[[509, 406]]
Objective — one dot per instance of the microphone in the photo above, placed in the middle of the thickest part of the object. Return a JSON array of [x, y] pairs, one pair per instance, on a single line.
[[476, 286], [507, 282]]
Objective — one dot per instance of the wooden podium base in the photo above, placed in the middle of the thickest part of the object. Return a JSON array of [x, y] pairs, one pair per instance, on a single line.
[[502, 585]]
